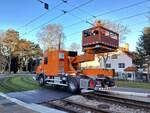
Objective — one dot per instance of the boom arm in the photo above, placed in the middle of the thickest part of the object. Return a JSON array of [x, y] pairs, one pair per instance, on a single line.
[[83, 58]]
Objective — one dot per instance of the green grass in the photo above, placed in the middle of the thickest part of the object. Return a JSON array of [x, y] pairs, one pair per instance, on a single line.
[[18, 83], [24, 83], [133, 84]]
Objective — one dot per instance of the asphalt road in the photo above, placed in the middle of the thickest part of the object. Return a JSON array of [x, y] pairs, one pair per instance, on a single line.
[[40, 95]]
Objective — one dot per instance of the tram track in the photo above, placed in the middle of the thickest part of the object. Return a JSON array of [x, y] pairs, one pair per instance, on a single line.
[[74, 107], [96, 102], [118, 100]]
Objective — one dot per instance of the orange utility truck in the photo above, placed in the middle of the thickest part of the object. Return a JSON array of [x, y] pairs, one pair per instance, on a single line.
[[62, 68]]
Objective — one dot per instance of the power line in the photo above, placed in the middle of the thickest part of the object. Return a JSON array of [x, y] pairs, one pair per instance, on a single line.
[[111, 11], [129, 17], [78, 16], [120, 19], [42, 25], [122, 8], [142, 22], [64, 12], [81, 19], [36, 18], [81, 10], [33, 20], [89, 1]]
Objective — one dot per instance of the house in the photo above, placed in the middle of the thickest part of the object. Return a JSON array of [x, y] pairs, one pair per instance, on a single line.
[[121, 61], [131, 73]]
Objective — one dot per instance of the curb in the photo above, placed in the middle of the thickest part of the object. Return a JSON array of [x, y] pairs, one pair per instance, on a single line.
[[32, 106], [130, 93]]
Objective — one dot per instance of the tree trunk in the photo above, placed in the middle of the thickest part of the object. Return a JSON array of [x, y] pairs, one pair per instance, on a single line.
[[59, 42], [104, 62], [105, 58], [99, 60], [9, 64], [148, 73]]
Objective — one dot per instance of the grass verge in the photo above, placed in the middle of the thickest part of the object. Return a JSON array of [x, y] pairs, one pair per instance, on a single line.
[[133, 84], [17, 83]]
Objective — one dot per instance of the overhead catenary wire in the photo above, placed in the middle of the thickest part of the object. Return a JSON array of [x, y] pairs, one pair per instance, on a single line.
[[110, 11], [41, 15], [81, 19], [122, 8], [81, 5], [93, 16], [63, 13], [42, 24], [129, 17], [81, 10], [120, 19]]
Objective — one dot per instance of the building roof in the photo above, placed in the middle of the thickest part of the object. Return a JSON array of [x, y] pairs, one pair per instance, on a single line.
[[127, 52], [131, 69]]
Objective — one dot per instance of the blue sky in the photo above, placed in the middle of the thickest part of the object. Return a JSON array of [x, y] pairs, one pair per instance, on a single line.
[[16, 13]]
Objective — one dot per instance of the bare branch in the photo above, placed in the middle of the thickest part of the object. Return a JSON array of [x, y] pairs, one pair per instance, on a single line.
[[117, 27], [51, 36]]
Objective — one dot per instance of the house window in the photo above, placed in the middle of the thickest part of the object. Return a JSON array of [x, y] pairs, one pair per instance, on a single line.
[[108, 65], [129, 75], [61, 56], [121, 65], [114, 56], [87, 33]]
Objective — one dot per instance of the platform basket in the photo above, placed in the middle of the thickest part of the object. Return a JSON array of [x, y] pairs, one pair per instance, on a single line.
[[99, 40]]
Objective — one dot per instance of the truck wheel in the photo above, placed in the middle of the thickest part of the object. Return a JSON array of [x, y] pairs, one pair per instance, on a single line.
[[41, 80], [111, 83], [73, 85]]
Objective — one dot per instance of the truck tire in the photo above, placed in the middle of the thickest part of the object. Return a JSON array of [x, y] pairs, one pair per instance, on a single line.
[[73, 85], [41, 80]]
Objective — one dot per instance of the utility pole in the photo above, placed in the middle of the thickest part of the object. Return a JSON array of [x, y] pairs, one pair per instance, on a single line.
[[59, 42]]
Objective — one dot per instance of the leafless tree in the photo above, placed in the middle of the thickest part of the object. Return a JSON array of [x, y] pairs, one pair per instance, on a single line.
[[102, 57], [74, 47], [117, 27], [51, 37]]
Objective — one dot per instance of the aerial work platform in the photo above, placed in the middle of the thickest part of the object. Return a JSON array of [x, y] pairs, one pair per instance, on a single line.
[[99, 40]]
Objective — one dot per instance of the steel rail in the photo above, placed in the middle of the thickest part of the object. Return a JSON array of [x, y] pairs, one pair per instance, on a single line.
[[73, 104], [116, 99], [87, 107]]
